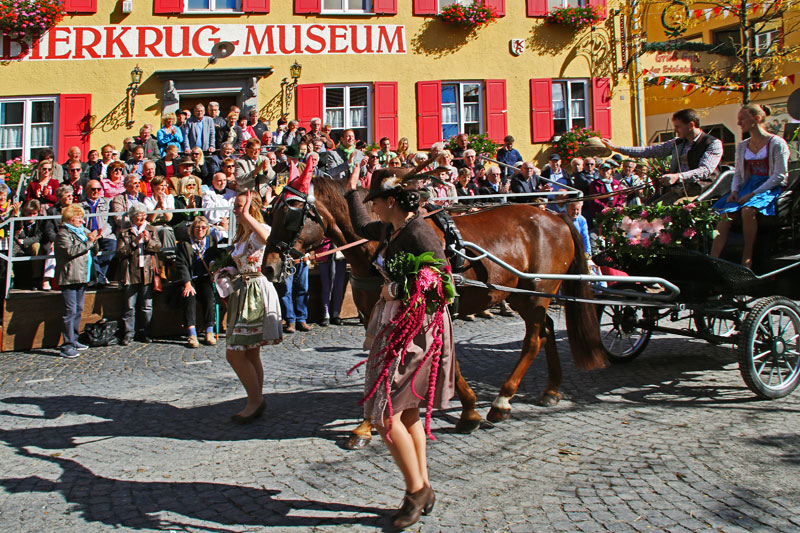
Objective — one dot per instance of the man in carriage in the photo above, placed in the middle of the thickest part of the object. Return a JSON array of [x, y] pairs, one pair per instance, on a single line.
[[695, 156]]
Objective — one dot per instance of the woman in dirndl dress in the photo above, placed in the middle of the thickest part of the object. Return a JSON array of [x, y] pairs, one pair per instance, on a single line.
[[411, 362], [761, 169], [254, 313]]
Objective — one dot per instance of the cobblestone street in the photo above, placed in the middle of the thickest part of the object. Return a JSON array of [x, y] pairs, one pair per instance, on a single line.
[[138, 437]]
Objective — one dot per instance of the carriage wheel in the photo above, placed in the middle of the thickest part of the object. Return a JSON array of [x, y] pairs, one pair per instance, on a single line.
[[718, 330], [769, 351], [623, 338]]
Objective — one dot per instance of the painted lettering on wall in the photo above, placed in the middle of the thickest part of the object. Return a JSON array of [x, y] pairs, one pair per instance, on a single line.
[[143, 42]]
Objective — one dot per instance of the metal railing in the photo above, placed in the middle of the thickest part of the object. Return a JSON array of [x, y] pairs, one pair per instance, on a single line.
[[10, 223]]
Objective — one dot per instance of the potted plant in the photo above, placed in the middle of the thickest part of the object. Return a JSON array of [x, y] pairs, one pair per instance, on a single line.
[[574, 17], [473, 15], [22, 18], [570, 141], [13, 170], [481, 143]]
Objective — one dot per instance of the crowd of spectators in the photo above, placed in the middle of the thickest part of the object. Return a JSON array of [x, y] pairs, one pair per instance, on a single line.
[[173, 185]]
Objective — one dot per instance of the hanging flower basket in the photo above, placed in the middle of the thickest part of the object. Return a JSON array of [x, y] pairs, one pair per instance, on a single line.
[[574, 17], [13, 170], [21, 18], [472, 16], [570, 142]]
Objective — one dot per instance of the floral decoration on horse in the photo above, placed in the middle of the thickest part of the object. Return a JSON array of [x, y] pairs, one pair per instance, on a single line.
[[637, 233]]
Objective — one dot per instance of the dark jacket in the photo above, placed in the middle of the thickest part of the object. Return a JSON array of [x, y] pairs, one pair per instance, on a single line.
[[181, 203], [519, 185], [51, 226], [185, 256], [416, 237], [128, 253], [31, 233]]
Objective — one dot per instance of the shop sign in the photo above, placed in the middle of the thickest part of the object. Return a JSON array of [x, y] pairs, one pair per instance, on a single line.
[[684, 63], [182, 41]]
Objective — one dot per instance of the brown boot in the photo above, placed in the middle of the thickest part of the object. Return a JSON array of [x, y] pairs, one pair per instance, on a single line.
[[411, 510], [192, 342], [211, 339]]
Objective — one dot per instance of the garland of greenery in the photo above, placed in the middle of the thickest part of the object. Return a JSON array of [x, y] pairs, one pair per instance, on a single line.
[[688, 46]]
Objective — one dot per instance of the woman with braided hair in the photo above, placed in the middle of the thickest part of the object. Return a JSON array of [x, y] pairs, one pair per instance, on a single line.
[[411, 362]]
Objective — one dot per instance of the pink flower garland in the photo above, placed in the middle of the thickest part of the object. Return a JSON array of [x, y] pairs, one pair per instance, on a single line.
[[405, 326]]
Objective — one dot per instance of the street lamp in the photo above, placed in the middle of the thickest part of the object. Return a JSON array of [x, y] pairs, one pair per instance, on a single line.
[[133, 89], [295, 70], [287, 89]]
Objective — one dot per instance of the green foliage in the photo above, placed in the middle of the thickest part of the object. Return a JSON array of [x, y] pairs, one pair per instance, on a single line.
[[574, 17], [409, 270], [635, 234], [14, 169], [469, 16]]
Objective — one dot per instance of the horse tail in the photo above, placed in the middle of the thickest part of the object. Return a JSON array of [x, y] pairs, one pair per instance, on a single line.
[[583, 327]]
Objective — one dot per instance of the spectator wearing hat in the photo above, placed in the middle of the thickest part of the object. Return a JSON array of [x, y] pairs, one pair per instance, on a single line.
[[508, 155], [129, 197], [553, 170], [137, 248], [97, 204], [605, 183], [200, 131], [186, 167]]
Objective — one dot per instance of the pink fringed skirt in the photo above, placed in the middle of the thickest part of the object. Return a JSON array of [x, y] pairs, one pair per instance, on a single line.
[[375, 408]]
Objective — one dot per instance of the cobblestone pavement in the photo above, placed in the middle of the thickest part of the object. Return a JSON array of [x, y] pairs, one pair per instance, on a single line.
[[139, 438]]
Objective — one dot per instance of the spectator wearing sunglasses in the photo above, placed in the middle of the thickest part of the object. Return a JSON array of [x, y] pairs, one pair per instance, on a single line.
[[214, 163], [74, 156], [98, 204], [189, 198], [73, 176], [114, 182], [43, 186]]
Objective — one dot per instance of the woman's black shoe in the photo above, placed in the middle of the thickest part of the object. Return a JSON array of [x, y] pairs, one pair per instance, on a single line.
[[324, 322], [336, 321], [411, 510], [244, 420]]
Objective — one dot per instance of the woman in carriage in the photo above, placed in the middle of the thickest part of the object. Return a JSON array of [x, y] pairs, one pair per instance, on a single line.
[[760, 171]]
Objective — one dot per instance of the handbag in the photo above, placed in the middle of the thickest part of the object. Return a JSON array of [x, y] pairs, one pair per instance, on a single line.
[[157, 286], [101, 333]]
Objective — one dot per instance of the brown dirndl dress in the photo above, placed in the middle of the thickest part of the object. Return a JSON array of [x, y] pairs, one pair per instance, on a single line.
[[375, 408]]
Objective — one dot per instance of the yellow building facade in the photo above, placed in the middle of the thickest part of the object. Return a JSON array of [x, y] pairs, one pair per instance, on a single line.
[[712, 23], [384, 67]]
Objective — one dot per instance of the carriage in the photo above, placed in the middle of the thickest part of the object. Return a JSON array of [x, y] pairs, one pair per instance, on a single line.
[[721, 301]]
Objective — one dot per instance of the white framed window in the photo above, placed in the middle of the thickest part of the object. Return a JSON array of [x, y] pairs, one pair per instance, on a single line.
[[764, 40], [346, 6], [462, 108], [212, 6], [26, 126], [570, 104], [349, 107], [558, 4]]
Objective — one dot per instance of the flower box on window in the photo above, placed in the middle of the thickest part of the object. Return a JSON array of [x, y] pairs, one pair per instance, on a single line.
[[575, 17], [473, 15], [19, 18]]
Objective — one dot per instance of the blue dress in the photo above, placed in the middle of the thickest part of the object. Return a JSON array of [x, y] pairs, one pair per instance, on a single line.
[[764, 201]]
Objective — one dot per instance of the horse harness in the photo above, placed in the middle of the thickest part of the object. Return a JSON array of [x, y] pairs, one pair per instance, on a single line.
[[293, 224]]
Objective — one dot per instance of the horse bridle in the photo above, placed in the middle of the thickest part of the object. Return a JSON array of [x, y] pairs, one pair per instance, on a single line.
[[293, 223]]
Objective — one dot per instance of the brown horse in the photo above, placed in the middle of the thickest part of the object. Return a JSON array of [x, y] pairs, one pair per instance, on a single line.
[[526, 237]]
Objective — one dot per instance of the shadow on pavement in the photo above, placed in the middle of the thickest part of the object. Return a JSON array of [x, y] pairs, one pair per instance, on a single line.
[[136, 504]]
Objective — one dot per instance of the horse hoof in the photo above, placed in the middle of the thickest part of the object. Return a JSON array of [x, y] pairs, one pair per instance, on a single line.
[[549, 399], [356, 442], [466, 427], [498, 415]]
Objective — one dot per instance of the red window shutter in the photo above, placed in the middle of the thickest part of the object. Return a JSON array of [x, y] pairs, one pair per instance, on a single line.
[[74, 123], [80, 6], [498, 5], [384, 7], [541, 110], [385, 106], [309, 103], [496, 110], [166, 7], [601, 106], [429, 113], [255, 6], [426, 7], [537, 8], [307, 6], [600, 5]]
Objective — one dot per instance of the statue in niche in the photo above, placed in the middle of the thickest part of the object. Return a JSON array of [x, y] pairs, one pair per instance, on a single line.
[[252, 88], [171, 95]]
